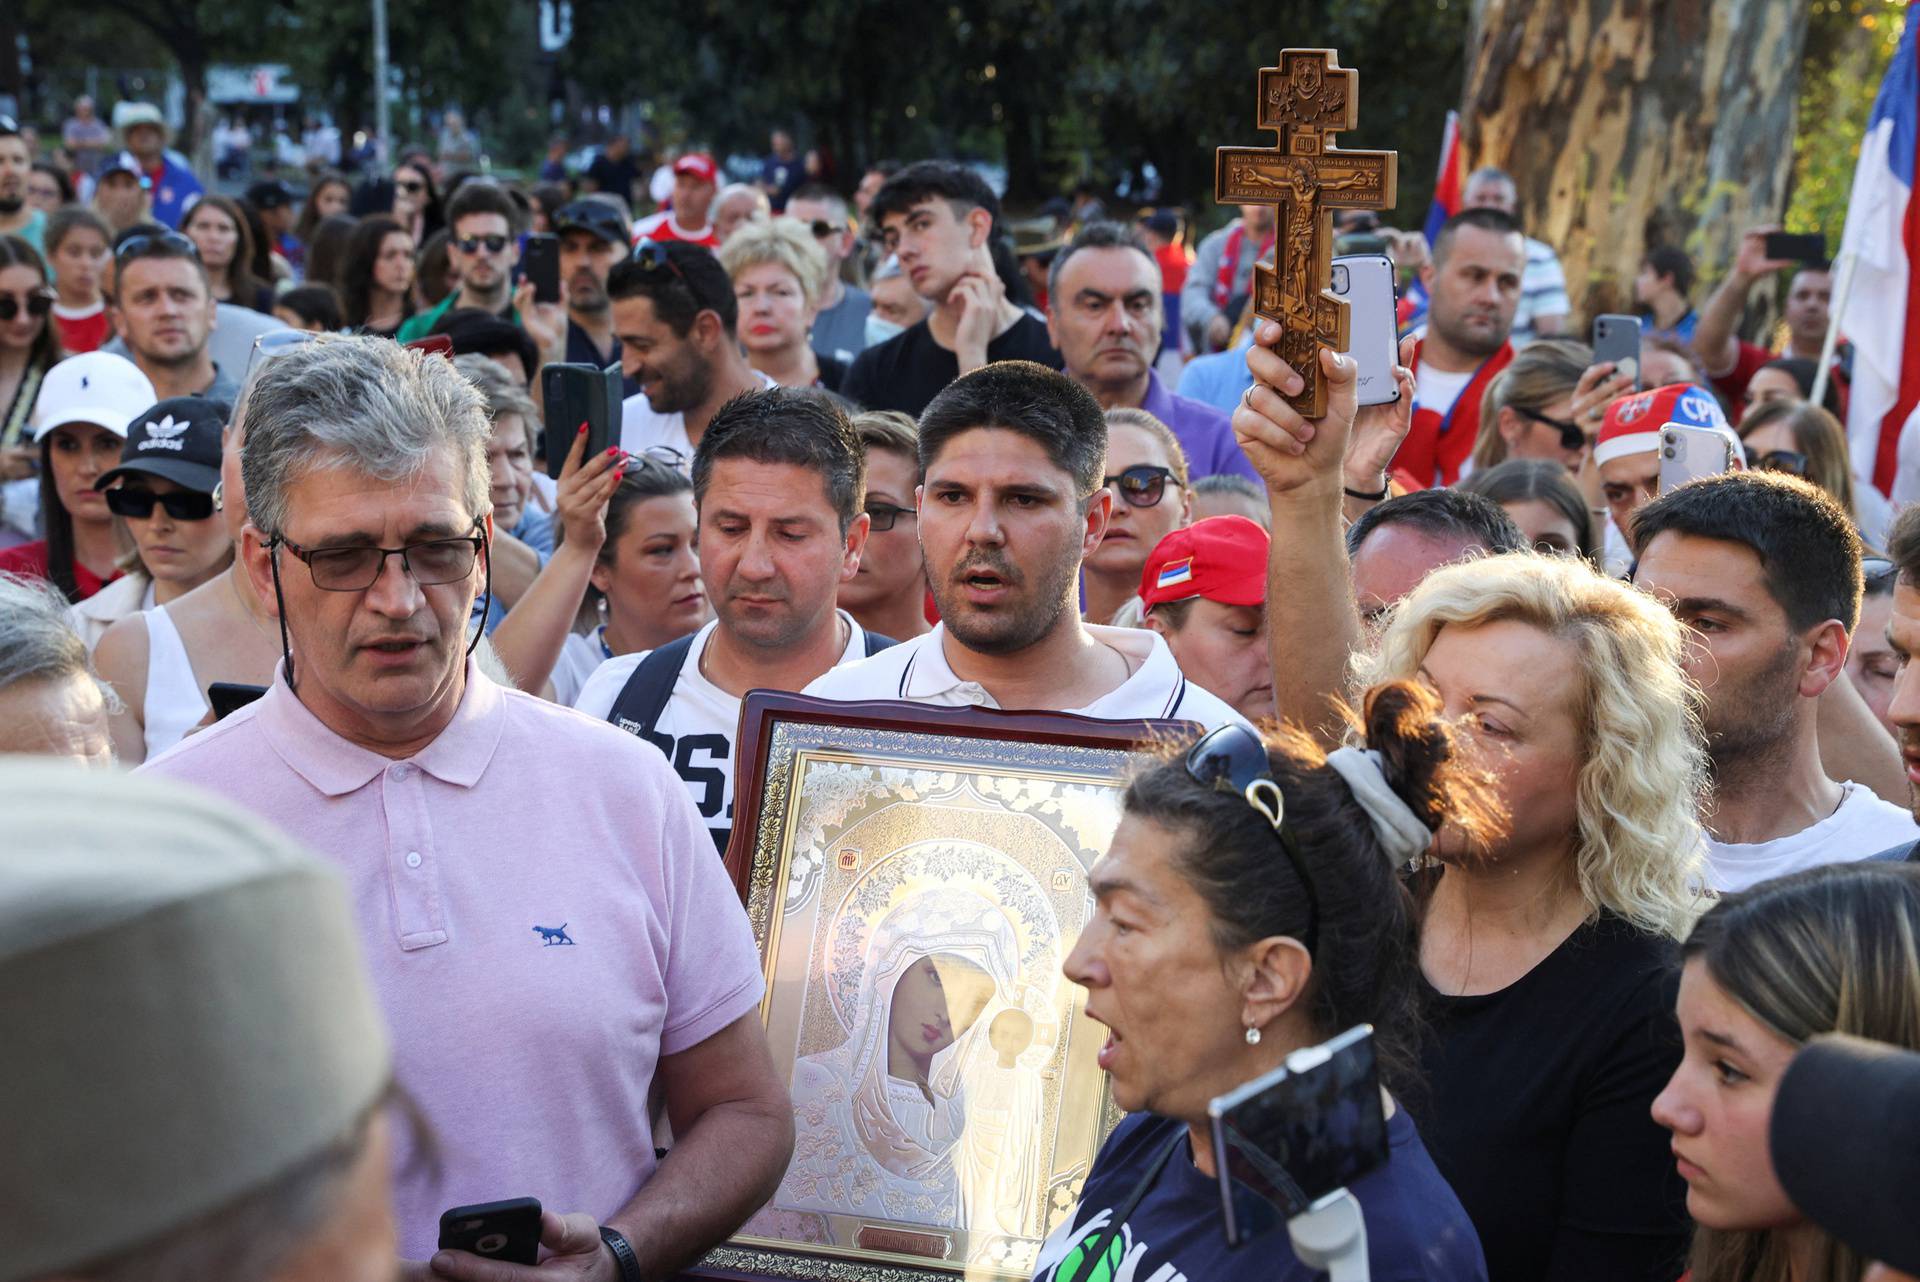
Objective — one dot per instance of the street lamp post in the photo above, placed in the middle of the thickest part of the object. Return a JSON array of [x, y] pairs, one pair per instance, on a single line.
[[380, 121]]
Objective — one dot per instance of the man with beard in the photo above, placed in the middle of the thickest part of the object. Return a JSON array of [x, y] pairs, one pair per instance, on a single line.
[[1732, 362], [674, 313], [593, 237], [1903, 638], [164, 310], [1010, 503], [17, 217], [778, 484], [483, 222], [1473, 283], [1765, 570], [1105, 314]]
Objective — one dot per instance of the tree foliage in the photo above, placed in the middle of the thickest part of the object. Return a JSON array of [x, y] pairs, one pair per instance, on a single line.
[[1849, 44]]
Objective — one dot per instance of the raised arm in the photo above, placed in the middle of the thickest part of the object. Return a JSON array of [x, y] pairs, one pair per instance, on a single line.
[[1313, 625], [1714, 339]]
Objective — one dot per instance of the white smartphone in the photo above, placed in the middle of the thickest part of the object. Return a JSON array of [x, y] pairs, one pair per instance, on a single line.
[[1366, 282], [1691, 453]]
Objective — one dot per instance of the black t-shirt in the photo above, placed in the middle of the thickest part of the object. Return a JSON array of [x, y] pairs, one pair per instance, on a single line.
[[1416, 1231], [909, 369], [1537, 1111], [616, 176]]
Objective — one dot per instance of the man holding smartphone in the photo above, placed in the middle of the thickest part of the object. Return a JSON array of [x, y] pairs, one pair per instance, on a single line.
[[1730, 360], [478, 827]]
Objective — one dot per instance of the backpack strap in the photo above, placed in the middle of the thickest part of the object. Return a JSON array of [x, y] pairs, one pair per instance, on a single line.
[[876, 643], [644, 697]]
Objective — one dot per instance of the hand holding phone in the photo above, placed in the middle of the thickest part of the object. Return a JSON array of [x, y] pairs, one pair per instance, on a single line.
[[1692, 453], [540, 262], [505, 1231], [1366, 282], [576, 394], [1616, 338], [1787, 246]]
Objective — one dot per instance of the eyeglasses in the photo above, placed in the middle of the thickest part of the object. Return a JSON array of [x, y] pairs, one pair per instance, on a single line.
[[168, 244], [181, 505], [472, 244], [883, 515], [1792, 462], [1876, 571], [36, 304], [653, 256], [823, 229], [1233, 759], [411, 186], [356, 569], [1142, 486], [1571, 437]]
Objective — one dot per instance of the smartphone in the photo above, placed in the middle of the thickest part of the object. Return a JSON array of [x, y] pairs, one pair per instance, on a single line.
[[506, 1231], [1289, 1138], [231, 696], [1797, 247], [577, 394], [1690, 453], [1616, 338], [540, 263], [1366, 282], [438, 344]]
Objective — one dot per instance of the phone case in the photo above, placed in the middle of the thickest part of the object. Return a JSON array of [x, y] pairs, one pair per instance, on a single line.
[[1616, 338], [1366, 282], [577, 394], [1690, 453], [506, 1231], [540, 261]]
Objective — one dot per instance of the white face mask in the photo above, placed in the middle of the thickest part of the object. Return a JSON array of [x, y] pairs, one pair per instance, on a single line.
[[880, 329]]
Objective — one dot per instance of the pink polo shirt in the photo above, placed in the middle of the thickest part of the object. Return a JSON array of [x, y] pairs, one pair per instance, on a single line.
[[543, 917]]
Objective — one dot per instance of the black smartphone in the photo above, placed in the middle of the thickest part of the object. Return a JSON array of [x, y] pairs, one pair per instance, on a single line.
[[577, 394], [1292, 1136], [540, 262], [231, 696], [1616, 338], [1797, 247], [506, 1231]]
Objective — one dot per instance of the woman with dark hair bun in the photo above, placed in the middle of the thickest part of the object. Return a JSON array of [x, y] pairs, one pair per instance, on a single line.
[[1251, 904]]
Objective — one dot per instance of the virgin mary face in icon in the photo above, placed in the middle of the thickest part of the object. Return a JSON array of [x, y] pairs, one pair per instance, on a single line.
[[936, 1000]]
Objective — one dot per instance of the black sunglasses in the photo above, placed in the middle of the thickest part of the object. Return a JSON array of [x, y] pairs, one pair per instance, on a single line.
[[1792, 462], [822, 228], [1142, 486], [1877, 571], [1233, 759], [167, 244], [38, 303], [181, 505], [412, 186], [472, 244], [1571, 437], [653, 256], [883, 515]]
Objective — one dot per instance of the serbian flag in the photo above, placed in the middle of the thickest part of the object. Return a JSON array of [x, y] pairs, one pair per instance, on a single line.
[[1881, 313], [1446, 203]]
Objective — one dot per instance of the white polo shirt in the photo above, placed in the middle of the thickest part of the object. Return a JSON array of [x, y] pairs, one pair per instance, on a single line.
[[918, 671], [642, 429]]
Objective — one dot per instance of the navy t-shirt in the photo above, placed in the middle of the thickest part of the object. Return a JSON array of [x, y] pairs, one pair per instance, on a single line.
[[1416, 1229]]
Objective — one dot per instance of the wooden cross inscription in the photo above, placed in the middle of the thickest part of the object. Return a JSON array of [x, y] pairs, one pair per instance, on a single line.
[[1305, 99]]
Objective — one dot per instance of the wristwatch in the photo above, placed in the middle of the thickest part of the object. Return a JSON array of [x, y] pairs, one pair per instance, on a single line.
[[623, 1257]]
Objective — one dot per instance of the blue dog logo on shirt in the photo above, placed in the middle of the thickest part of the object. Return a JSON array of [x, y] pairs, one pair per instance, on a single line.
[[551, 935]]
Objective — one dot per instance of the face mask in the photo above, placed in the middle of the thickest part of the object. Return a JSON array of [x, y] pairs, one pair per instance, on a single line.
[[880, 329]]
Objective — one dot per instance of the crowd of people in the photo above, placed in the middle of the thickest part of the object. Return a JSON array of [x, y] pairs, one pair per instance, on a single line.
[[1595, 799]]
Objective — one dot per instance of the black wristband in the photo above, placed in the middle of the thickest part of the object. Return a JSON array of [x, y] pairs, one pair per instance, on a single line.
[[623, 1257], [1365, 497]]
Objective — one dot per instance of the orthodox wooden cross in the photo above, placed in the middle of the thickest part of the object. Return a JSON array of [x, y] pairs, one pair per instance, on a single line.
[[1306, 99]]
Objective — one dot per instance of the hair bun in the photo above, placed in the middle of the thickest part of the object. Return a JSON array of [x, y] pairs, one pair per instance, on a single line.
[[1403, 722]]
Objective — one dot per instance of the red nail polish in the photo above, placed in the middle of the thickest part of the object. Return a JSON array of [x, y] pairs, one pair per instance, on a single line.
[[613, 451], [583, 430]]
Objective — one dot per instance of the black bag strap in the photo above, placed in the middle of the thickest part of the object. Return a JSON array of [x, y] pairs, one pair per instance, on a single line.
[[1105, 1241], [876, 643], [644, 697]]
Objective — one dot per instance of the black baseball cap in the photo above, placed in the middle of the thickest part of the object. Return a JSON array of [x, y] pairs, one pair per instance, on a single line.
[[595, 216], [1845, 1136], [179, 440], [271, 193]]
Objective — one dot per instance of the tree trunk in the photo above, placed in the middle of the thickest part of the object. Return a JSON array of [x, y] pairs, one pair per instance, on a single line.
[[1633, 123]]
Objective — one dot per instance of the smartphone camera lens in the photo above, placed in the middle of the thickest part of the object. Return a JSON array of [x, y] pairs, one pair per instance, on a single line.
[[491, 1244], [1339, 278]]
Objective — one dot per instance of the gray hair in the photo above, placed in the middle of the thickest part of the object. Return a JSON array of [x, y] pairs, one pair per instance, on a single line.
[[363, 403], [37, 643], [503, 394]]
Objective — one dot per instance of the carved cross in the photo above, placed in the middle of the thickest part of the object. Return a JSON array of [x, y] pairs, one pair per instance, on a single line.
[[1305, 99]]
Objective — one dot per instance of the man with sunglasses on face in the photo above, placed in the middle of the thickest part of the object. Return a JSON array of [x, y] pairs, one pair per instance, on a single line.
[[482, 224], [1106, 315], [840, 326], [479, 827], [1010, 503]]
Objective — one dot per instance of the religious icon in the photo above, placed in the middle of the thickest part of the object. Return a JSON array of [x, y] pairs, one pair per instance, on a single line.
[[1305, 99], [947, 1098]]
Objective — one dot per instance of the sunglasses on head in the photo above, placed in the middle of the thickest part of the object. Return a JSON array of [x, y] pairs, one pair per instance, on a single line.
[[1876, 571], [36, 304], [1233, 759], [1142, 486], [1792, 462], [181, 505], [1571, 437], [653, 257], [472, 244], [167, 244]]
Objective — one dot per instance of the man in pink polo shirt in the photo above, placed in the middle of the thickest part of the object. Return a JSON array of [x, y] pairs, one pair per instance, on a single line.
[[550, 935]]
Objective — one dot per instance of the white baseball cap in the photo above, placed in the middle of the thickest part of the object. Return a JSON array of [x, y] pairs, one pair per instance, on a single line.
[[96, 387]]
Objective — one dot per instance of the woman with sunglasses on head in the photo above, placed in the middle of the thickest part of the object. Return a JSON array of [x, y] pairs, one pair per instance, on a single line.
[[162, 492], [376, 282], [29, 347], [79, 249], [1829, 950], [1222, 940], [219, 229], [1147, 471], [779, 273], [1789, 435], [80, 424], [1547, 957]]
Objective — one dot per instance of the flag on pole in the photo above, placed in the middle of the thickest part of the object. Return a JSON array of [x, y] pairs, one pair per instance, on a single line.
[[1447, 189], [1881, 314]]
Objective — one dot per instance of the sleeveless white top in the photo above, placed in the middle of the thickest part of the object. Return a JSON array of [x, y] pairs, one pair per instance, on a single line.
[[174, 703]]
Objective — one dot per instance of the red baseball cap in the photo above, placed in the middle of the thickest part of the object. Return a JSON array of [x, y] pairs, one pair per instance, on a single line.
[[1632, 423], [699, 165], [1223, 558]]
